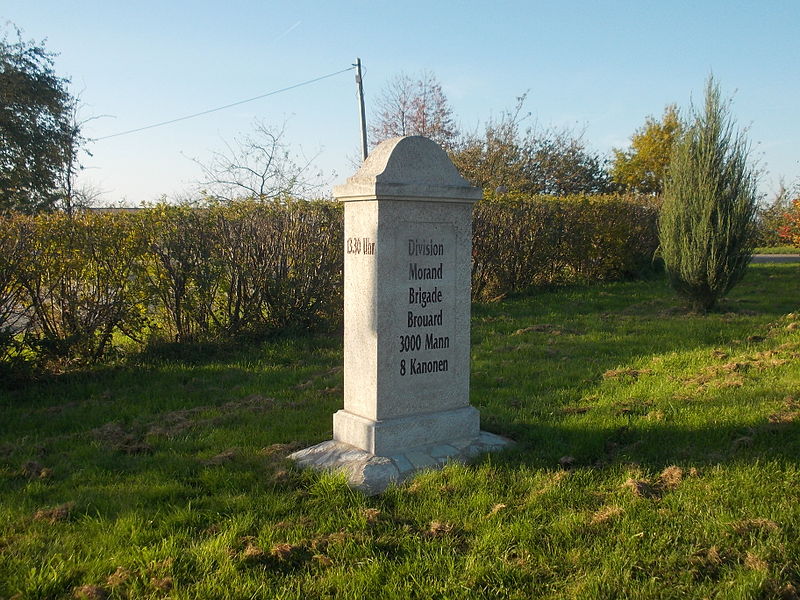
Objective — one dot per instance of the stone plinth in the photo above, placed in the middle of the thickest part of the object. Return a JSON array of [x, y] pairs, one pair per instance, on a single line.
[[408, 251]]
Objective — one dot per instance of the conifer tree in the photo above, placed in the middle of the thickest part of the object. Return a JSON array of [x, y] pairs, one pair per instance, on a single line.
[[706, 227]]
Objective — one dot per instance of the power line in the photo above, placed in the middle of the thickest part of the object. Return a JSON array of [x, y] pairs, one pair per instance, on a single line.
[[211, 110]]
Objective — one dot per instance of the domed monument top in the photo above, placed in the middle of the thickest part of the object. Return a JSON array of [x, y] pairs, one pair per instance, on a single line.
[[411, 167]]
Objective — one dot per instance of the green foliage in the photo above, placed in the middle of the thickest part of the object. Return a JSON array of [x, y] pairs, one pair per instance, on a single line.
[[534, 161], [183, 276], [72, 285], [12, 294], [74, 288], [643, 167], [244, 266], [771, 218], [522, 241], [37, 133], [79, 276], [706, 227]]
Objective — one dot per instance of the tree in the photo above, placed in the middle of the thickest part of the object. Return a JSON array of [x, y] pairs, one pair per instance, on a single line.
[[706, 226], [413, 107], [790, 228], [72, 195], [38, 138], [772, 217], [260, 165], [643, 167], [534, 161], [497, 156]]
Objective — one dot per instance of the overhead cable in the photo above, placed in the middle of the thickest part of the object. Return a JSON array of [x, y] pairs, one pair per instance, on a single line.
[[211, 110]]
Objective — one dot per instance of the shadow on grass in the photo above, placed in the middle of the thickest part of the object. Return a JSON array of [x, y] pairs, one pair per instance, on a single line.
[[600, 329], [544, 446]]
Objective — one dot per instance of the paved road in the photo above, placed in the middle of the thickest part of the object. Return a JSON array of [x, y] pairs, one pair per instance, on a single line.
[[776, 258]]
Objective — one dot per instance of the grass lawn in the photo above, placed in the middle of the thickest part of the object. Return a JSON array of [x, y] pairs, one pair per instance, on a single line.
[[657, 456], [778, 250]]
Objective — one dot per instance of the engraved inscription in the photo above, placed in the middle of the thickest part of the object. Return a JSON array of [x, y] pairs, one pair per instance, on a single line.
[[424, 343]]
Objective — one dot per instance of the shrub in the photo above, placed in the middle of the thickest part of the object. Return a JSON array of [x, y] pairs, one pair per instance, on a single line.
[[281, 263], [14, 253], [706, 227], [245, 266], [790, 230], [184, 274], [770, 219], [79, 277], [521, 242], [182, 271]]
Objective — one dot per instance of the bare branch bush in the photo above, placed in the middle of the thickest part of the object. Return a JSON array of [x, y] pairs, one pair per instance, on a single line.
[[260, 165]]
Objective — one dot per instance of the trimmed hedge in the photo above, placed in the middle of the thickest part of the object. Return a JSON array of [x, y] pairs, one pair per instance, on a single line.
[[72, 287], [525, 242]]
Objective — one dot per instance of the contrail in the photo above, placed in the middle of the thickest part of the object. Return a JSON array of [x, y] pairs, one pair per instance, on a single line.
[[287, 32]]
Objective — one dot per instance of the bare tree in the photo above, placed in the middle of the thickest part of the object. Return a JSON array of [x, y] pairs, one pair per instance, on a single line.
[[72, 195], [260, 165], [409, 106]]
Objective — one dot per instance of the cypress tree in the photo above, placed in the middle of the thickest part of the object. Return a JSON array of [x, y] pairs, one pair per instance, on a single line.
[[706, 226]]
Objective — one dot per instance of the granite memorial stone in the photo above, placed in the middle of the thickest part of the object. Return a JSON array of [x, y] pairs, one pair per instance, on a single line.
[[407, 261]]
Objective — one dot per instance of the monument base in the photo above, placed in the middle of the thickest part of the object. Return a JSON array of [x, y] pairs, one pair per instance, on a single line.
[[373, 473], [389, 436]]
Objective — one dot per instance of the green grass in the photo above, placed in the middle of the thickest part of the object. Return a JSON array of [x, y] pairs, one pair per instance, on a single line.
[[166, 478], [778, 250]]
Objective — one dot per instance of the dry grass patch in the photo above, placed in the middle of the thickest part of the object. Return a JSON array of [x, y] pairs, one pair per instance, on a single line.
[[118, 577], [756, 563], [54, 515], [283, 551], [641, 489], [707, 562], [547, 328], [113, 436], [757, 526], [177, 422], [162, 584], [439, 529], [732, 373], [33, 470], [605, 515], [744, 441], [322, 560], [280, 450], [371, 515], [223, 457], [566, 462], [252, 553], [90, 592], [668, 480], [790, 413]]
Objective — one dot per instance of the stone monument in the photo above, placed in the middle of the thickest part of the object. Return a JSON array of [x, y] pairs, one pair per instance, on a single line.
[[407, 267]]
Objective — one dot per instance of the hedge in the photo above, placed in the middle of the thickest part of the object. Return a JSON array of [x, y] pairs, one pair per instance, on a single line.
[[525, 242], [72, 288]]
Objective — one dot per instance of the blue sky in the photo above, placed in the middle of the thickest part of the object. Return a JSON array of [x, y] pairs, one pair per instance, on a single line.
[[597, 66]]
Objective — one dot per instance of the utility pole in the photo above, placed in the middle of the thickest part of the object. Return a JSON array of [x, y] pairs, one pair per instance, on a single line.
[[361, 107]]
